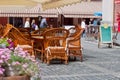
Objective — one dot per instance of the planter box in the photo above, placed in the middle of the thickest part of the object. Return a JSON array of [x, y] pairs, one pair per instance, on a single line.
[[15, 78]]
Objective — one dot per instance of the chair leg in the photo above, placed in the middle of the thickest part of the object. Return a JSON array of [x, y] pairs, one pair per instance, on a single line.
[[45, 57], [48, 61], [35, 53], [42, 58], [74, 58], [81, 58], [66, 60], [42, 55]]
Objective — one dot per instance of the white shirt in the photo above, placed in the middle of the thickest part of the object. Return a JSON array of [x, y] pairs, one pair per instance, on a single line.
[[82, 24], [27, 24]]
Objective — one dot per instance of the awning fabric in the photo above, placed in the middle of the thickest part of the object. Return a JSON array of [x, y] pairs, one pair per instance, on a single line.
[[58, 3], [18, 2], [81, 16], [82, 10], [46, 4], [20, 11], [20, 8], [27, 15], [74, 10]]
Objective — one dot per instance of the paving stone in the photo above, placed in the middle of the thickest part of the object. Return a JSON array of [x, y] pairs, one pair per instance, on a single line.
[[98, 64]]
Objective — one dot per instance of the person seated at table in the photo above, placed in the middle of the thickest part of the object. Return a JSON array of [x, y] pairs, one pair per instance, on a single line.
[[27, 23], [43, 23], [34, 25]]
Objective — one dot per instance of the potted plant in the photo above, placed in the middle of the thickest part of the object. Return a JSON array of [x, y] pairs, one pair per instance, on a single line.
[[6, 43], [17, 62]]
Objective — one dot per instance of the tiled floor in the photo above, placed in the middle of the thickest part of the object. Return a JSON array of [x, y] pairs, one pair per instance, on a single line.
[[99, 64]]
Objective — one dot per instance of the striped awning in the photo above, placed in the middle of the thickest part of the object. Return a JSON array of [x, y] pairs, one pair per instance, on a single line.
[[28, 8], [81, 16], [82, 10], [28, 14], [77, 10], [21, 11]]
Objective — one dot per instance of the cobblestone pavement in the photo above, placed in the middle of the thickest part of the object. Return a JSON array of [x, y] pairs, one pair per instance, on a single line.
[[98, 64]]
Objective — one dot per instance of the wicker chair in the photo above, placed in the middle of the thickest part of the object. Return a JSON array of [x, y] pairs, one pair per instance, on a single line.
[[54, 43], [74, 43], [25, 32], [1, 30], [20, 40], [38, 32], [38, 44], [6, 29]]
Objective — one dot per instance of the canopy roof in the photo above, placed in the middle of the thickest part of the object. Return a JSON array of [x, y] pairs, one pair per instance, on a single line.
[[83, 9], [18, 2], [46, 4], [58, 3], [16, 8]]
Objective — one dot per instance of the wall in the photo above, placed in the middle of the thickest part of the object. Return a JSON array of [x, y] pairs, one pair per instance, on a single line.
[[107, 10], [3, 20]]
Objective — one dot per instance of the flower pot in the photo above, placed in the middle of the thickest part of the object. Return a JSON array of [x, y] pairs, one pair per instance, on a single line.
[[10, 71], [15, 78]]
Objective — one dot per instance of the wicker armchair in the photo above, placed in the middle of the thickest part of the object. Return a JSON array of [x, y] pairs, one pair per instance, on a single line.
[[38, 32], [20, 40], [54, 43], [6, 29], [74, 43], [25, 32], [1, 30]]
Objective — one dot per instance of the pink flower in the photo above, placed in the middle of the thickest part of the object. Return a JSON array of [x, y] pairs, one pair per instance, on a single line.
[[1, 71], [33, 60], [8, 56], [15, 63], [25, 65], [11, 45], [22, 53], [1, 51], [9, 40], [1, 61], [3, 56]]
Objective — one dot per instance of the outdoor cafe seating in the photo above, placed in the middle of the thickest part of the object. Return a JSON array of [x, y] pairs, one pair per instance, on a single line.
[[50, 43], [74, 48], [18, 38], [55, 44]]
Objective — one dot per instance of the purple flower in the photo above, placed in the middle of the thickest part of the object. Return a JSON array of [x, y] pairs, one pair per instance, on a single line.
[[15, 63], [1, 61], [11, 45], [17, 57], [1, 71], [9, 40], [3, 56], [25, 65]]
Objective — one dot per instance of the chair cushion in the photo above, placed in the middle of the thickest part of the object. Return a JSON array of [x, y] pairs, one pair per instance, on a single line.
[[56, 49], [74, 47], [25, 46]]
